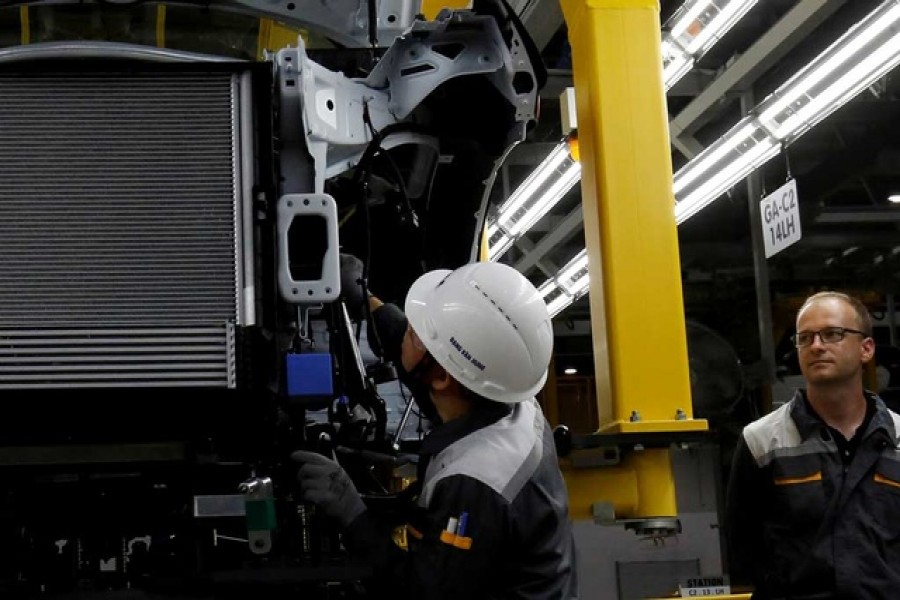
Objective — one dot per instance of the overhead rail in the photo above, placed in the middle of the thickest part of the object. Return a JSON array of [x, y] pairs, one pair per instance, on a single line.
[[695, 28]]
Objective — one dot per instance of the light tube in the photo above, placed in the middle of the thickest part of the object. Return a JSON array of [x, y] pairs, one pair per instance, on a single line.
[[555, 298], [533, 182], [548, 200], [542, 190], [547, 287], [728, 15], [860, 76], [833, 58], [559, 291], [865, 53], [499, 247], [692, 11], [702, 164], [724, 179], [676, 68], [556, 306], [576, 264], [580, 287], [693, 30]]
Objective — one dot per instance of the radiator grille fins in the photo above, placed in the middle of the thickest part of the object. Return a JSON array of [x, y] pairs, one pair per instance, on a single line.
[[104, 358], [118, 215]]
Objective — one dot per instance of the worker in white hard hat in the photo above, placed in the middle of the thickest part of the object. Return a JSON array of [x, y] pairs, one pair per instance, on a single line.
[[489, 510]]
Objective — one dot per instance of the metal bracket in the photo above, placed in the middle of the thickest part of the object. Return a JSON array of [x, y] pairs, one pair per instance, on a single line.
[[316, 211], [259, 500]]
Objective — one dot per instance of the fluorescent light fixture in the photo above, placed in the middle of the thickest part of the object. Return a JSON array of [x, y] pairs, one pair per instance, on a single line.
[[731, 158], [542, 190], [567, 286], [862, 55], [573, 277], [548, 199], [894, 198], [693, 30], [676, 62], [570, 371], [534, 181], [555, 298], [498, 241]]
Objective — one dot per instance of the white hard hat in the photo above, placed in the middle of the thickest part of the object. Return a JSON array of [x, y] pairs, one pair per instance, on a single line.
[[487, 325]]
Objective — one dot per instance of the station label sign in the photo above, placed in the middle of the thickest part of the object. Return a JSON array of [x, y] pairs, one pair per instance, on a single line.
[[779, 214], [705, 586]]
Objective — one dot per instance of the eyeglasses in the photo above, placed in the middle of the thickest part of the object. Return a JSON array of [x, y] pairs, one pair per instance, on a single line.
[[828, 335]]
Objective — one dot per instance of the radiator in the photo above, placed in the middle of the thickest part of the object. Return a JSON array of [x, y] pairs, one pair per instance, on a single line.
[[123, 211]]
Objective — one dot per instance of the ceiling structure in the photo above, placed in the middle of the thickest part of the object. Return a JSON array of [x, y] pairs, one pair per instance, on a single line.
[[845, 168]]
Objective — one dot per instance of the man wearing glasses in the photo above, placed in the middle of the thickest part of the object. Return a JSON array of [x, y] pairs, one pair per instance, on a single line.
[[814, 493]]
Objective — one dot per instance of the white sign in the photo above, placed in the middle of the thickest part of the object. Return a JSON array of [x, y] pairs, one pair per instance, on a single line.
[[780, 218], [706, 585]]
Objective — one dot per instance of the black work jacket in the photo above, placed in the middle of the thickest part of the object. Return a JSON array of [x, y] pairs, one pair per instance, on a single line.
[[490, 514], [807, 524]]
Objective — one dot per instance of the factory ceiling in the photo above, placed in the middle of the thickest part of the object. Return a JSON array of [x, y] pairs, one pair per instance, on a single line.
[[845, 169]]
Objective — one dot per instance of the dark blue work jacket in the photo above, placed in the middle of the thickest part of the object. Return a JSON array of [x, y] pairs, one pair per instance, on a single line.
[[811, 516], [489, 517]]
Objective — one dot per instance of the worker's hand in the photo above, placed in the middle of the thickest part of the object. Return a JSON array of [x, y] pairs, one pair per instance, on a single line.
[[351, 289], [324, 483]]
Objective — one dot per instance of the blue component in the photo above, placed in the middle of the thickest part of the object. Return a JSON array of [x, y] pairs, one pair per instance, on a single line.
[[309, 375]]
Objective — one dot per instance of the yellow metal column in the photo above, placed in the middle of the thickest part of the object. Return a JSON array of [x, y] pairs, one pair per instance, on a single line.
[[430, 8], [161, 26], [25, 22], [274, 36], [636, 303]]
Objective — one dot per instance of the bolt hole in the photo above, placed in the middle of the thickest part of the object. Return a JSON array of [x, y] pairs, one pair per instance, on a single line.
[[291, 6], [306, 202], [330, 104], [391, 18]]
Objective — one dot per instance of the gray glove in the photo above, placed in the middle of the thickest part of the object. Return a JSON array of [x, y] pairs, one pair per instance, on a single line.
[[351, 290], [324, 483]]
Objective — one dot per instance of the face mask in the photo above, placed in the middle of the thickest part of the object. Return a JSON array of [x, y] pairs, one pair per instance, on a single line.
[[414, 380]]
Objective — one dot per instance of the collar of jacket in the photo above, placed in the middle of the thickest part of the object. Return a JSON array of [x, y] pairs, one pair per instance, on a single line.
[[482, 414], [445, 434], [808, 423]]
